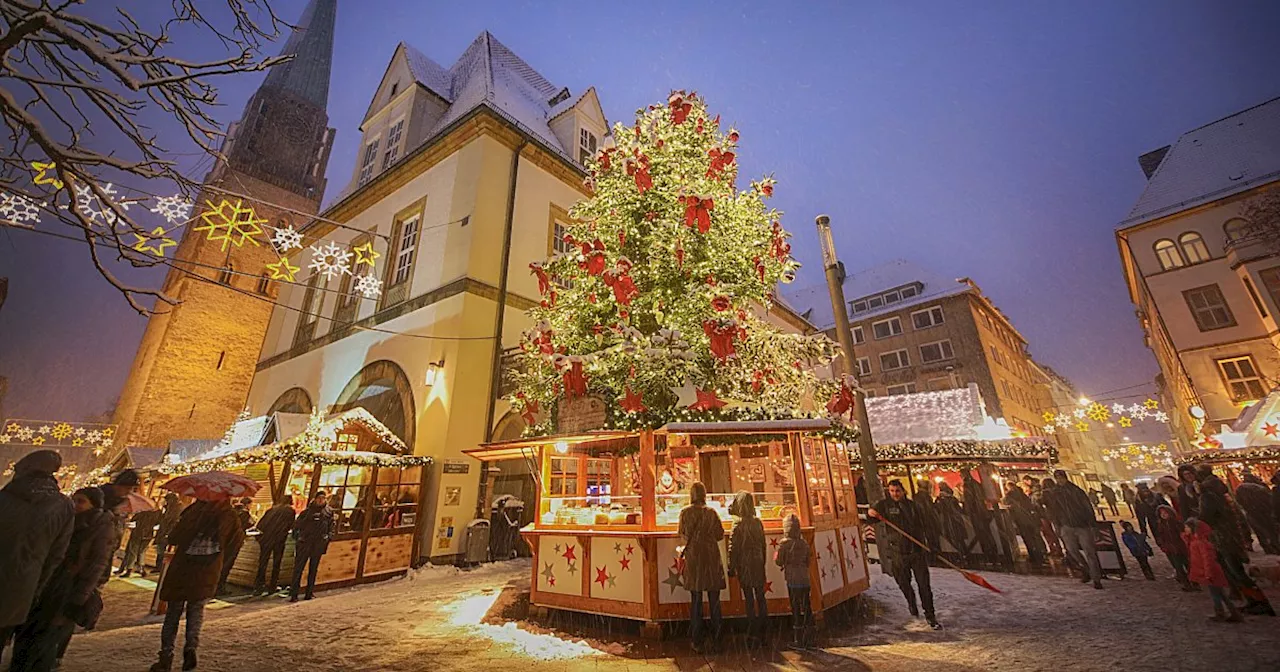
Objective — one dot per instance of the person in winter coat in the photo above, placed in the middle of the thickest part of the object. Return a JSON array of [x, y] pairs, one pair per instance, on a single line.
[[312, 531], [35, 526], [71, 596], [1110, 496], [273, 535], [1206, 571], [200, 539], [975, 507], [1026, 518], [1130, 498], [703, 572], [911, 560], [928, 516], [168, 518], [1188, 501], [793, 557], [1275, 495], [1168, 534], [1218, 512], [1144, 508], [746, 561], [1045, 498], [114, 496], [951, 521], [1254, 497], [1138, 548], [141, 536], [229, 555], [1079, 531]]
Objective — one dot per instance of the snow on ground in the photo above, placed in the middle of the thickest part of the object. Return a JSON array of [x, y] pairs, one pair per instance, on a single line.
[[445, 619]]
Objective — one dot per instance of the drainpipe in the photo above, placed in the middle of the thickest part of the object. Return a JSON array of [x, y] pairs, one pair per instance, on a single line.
[[495, 381]]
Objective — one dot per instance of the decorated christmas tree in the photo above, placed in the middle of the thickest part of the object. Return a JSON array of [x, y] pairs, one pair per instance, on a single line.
[[656, 307]]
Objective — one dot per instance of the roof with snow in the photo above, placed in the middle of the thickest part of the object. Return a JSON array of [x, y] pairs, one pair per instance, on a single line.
[[1226, 157], [814, 302], [926, 416]]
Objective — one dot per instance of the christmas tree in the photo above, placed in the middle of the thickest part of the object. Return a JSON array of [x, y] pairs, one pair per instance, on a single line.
[[655, 306]]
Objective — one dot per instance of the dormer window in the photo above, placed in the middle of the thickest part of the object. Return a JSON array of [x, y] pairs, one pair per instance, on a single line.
[[586, 145], [394, 87], [393, 144], [367, 162]]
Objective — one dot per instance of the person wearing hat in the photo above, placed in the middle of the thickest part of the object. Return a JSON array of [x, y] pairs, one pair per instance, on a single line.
[[246, 522], [35, 524], [114, 496]]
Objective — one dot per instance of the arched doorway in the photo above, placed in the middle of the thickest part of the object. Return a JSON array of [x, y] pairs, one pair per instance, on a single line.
[[294, 400], [382, 389]]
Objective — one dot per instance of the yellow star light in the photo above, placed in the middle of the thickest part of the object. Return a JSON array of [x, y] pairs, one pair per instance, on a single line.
[[1126, 422], [13, 427], [155, 244], [41, 178], [1049, 416], [38, 441], [231, 223], [1082, 426], [1151, 404], [108, 432], [365, 254], [77, 442], [282, 270]]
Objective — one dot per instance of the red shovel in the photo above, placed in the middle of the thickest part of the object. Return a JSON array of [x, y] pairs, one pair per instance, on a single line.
[[972, 577]]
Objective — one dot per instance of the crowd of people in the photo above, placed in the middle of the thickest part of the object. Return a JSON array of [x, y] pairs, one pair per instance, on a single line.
[[59, 553]]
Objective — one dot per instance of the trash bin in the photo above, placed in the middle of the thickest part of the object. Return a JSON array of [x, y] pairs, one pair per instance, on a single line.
[[477, 548]]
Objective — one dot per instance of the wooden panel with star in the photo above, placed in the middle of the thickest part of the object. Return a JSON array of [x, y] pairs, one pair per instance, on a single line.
[[827, 553], [671, 590], [560, 565], [617, 569], [855, 561], [775, 580]]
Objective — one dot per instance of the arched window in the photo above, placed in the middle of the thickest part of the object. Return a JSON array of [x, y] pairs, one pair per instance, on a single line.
[[294, 400], [1193, 247], [382, 389], [1168, 255], [1236, 229]]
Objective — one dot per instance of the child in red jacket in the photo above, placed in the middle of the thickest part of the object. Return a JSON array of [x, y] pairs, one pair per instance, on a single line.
[[1206, 571]]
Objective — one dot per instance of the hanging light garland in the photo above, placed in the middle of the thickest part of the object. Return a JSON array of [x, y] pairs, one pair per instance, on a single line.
[[1102, 414], [1141, 456]]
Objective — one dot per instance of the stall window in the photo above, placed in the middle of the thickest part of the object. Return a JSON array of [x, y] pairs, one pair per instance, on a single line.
[[842, 479], [821, 497], [345, 485], [586, 489], [395, 498], [599, 481], [564, 476]]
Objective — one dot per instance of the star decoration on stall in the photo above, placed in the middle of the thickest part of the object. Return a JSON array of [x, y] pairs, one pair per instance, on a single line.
[[38, 441], [573, 569], [365, 254], [613, 581], [41, 176], [330, 260], [1271, 429], [673, 580], [549, 573], [286, 238], [556, 548], [707, 401], [625, 563], [602, 575], [569, 553], [768, 587], [156, 243], [1151, 404], [632, 403], [630, 549], [1125, 421], [773, 543], [283, 270], [173, 208], [617, 548], [231, 224]]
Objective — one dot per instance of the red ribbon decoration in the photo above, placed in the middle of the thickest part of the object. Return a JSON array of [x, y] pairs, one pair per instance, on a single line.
[[544, 282], [697, 212], [575, 381], [841, 402], [721, 335], [594, 252]]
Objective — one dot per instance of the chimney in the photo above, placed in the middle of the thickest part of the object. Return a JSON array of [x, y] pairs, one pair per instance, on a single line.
[[1151, 160]]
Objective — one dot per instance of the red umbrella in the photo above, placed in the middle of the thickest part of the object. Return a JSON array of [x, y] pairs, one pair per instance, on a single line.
[[213, 485], [135, 503]]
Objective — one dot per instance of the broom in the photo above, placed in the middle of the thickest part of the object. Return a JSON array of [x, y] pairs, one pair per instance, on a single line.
[[972, 577]]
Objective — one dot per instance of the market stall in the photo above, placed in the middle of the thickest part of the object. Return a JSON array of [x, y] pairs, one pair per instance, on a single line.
[[1249, 445], [374, 487], [605, 536]]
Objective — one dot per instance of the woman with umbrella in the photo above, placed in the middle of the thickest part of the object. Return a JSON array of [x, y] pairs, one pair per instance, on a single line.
[[201, 539]]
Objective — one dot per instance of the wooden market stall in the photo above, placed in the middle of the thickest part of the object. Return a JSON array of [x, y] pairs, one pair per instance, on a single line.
[[1250, 444], [374, 484], [604, 537]]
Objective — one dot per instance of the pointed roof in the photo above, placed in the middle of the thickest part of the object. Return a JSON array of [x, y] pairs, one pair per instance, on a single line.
[[311, 45]]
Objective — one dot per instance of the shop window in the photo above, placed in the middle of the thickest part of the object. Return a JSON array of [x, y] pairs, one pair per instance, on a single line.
[[346, 485], [821, 494], [395, 498], [840, 456], [587, 490], [1241, 378]]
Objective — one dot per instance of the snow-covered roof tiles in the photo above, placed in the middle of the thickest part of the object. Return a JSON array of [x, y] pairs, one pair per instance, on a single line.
[[870, 281], [1214, 161]]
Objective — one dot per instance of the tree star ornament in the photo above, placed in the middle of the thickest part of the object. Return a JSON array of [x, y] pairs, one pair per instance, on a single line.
[[285, 239], [330, 260], [174, 209], [43, 178], [282, 270], [231, 223], [155, 244], [365, 254]]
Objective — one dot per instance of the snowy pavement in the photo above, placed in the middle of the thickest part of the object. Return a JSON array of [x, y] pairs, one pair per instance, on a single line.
[[445, 619]]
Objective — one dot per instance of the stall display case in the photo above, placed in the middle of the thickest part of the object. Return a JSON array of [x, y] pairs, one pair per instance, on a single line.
[[605, 537]]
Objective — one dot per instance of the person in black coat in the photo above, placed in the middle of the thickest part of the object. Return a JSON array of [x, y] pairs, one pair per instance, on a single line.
[[71, 598], [746, 562], [951, 521], [1217, 510], [1079, 529], [172, 512], [929, 515], [312, 530], [232, 552], [1145, 503], [1254, 497], [35, 528], [912, 560], [273, 530], [975, 507], [1188, 492], [1026, 518]]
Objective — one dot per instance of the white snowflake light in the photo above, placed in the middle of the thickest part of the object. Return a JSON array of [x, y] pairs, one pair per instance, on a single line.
[[1118, 409], [1139, 412], [93, 437], [79, 431], [5, 438], [286, 238], [1050, 429], [173, 208], [106, 443], [45, 429], [19, 209], [25, 434], [369, 286], [330, 260], [89, 205], [1062, 420], [1080, 413], [1160, 416]]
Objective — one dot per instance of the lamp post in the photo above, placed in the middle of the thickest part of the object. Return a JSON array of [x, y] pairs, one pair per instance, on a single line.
[[847, 359]]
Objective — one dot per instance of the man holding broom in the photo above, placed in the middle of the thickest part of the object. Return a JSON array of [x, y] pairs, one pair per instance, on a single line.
[[905, 521]]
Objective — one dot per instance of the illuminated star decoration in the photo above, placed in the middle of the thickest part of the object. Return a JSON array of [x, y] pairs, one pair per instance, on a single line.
[[174, 208], [42, 178], [108, 431], [365, 254], [330, 261], [61, 431], [77, 442], [282, 270], [155, 244], [231, 223], [286, 238], [5, 438], [632, 402], [1271, 429], [44, 429], [1048, 416], [1079, 413], [1082, 426], [38, 441], [12, 427], [368, 286], [1151, 404], [1125, 421], [19, 209], [707, 401], [1050, 429]]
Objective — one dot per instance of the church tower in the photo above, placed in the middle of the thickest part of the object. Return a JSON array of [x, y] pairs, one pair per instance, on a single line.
[[191, 374]]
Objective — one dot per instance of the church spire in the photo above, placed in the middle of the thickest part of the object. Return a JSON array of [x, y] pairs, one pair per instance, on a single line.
[[311, 45]]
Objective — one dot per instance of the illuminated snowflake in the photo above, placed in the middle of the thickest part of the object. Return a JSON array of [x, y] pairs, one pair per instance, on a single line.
[[61, 431], [44, 429], [79, 431], [330, 260], [1062, 420], [173, 208], [1079, 413], [231, 224], [1098, 412], [1138, 412], [1160, 416], [91, 207], [1050, 429], [369, 286], [93, 437], [286, 238], [25, 434], [19, 209], [106, 443], [1118, 409]]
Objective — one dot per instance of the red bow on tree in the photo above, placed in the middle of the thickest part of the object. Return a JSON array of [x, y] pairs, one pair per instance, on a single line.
[[624, 288], [594, 253], [680, 255], [639, 169], [720, 160], [697, 212], [544, 282], [679, 107], [604, 159], [766, 187], [575, 381], [841, 402], [721, 334], [760, 268]]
